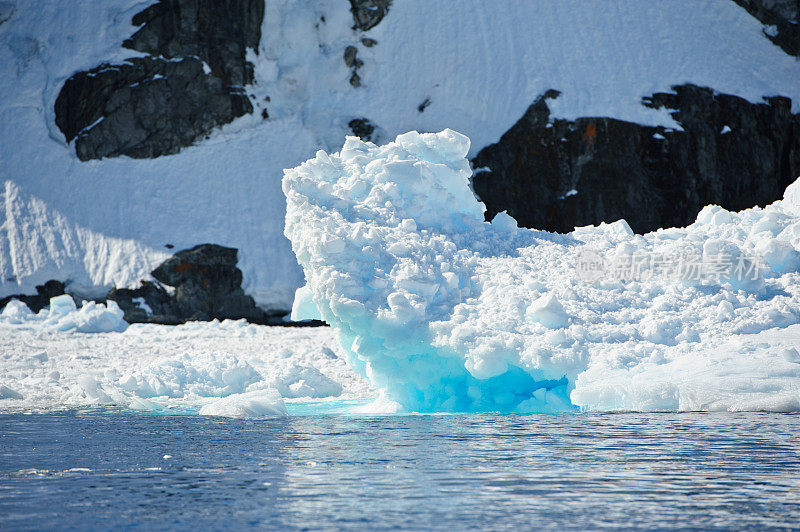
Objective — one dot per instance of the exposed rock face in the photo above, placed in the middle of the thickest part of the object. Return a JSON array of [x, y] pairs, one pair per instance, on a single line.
[[558, 174], [362, 128], [42, 298], [782, 18], [217, 31], [144, 108], [353, 63], [191, 83], [368, 13], [149, 303], [207, 283]]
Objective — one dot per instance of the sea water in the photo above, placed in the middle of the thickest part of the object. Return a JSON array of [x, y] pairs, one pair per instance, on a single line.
[[107, 469]]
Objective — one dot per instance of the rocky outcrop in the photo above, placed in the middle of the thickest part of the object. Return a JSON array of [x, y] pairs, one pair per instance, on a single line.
[[150, 303], [191, 82], [144, 108], [198, 284], [353, 63], [368, 13], [42, 298], [558, 174], [207, 285], [218, 32], [782, 18], [362, 128]]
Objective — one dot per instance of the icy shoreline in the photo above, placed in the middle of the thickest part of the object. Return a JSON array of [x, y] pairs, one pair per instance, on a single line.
[[227, 368]]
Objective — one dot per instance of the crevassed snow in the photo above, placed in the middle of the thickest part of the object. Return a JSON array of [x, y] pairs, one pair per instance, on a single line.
[[447, 312], [479, 64], [230, 368]]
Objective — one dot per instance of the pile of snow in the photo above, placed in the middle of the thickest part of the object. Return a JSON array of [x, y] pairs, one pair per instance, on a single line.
[[216, 368], [225, 190], [64, 315], [447, 312]]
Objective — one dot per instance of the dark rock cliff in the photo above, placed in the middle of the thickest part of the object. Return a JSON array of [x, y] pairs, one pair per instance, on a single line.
[[191, 82], [558, 174]]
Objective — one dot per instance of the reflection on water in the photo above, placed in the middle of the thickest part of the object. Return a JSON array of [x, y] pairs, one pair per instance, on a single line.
[[107, 469]]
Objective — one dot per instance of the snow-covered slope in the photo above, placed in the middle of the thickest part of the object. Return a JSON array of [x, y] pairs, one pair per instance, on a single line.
[[38, 244], [478, 64]]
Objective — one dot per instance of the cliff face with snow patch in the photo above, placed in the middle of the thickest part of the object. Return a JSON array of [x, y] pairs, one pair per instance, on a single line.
[[168, 124]]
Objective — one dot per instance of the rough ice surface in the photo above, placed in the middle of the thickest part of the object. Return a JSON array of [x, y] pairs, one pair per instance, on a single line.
[[188, 368], [64, 315], [446, 312], [582, 49]]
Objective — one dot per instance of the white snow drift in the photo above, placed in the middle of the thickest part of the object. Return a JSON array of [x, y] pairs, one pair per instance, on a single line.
[[479, 64], [447, 312]]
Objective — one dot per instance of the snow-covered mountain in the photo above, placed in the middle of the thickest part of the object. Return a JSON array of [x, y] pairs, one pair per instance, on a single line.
[[180, 136]]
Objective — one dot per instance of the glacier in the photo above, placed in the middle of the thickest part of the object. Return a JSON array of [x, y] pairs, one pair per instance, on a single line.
[[445, 312]]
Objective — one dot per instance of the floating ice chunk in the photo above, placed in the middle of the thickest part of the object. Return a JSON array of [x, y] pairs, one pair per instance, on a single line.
[[63, 315], [779, 255], [16, 312], [503, 222], [201, 375], [8, 393], [258, 403], [791, 198], [713, 215], [791, 355], [91, 318], [548, 311], [61, 306], [139, 403], [299, 380], [93, 390], [304, 307]]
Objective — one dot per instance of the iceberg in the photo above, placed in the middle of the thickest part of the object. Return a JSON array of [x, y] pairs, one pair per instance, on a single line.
[[446, 312]]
